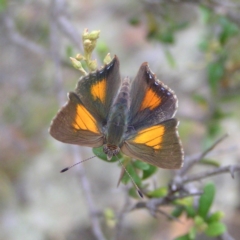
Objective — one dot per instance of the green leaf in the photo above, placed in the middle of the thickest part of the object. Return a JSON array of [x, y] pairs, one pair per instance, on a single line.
[[166, 36], [131, 171], [177, 211], [214, 128], [204, 45], [149, 172], [192, 233], [133, 193], [200, 224], [210, 162], [228, 29], [69, 51], [215, 73], [159, 192], [3, 5], [99, 153], [206, 14], [215, 217], [215, 229], [183, 237], [190, 211], [170, 59], [141, 165], [134, 21], [206, 199], [200, 99]]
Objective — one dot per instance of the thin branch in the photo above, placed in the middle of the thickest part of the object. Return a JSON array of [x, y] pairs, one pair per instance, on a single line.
[[93, 212], [190, 162], [225, 169], [55, 46], [153, 204], [19, 39], [121, 215]]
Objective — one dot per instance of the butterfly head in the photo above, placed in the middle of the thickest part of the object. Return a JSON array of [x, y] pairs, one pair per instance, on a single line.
[[110, 150]]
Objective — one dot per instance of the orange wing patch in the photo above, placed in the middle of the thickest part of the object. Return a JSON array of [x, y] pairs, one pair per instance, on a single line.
[[151, 100], [151, 137], [84, 120], [98, 90]]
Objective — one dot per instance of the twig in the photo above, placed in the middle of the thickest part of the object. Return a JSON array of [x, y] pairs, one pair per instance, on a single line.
[[189, 162], [121, 215], [19, 39], [55, 46], [225, 169], [153, 204], [88, 195]]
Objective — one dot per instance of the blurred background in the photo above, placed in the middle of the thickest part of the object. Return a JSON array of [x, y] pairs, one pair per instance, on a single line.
[[192, 47]]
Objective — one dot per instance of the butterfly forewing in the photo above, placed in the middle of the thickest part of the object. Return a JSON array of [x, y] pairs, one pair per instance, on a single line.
[[98, 90], [152, 102], [74, 124]]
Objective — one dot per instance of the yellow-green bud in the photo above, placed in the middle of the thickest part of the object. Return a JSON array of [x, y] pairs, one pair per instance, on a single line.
[[76, 64], [107, 59], [79, 57], [94, 35], [85, 33], [93, 65]]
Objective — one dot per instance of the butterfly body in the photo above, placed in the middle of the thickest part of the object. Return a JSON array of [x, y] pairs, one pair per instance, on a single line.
[[134, 117]]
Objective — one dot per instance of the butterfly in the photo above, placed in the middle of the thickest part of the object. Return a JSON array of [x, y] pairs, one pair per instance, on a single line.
[[132, 117]]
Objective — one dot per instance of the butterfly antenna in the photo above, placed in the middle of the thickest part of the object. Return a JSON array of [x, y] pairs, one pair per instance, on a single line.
[[67, 168], [135, 185]]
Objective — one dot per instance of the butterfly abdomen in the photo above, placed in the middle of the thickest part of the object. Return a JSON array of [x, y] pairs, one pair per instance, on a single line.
[[117, 122]]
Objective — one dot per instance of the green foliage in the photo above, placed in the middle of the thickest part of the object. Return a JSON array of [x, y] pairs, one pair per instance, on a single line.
[[215, 229], [215, 72], [3, 5], [210, 162], [222, 36], [204, 222], [157, 193], [206, 200]]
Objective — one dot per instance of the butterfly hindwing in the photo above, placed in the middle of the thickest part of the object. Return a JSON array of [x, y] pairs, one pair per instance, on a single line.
[[152, 102], [74, 124], [98, 90], [157, 145]]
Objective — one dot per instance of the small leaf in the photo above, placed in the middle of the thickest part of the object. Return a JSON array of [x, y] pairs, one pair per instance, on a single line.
[[149, 172], [215, 229], [133, 193], [134, 21], [141, 165], [210, 162], [177, 211], [159, 192], [200, 224], [215, 73], [206, 199], [228, 29], [3, 5], [201, 100], [99, 153], [192, 233], [170, 59], [206, 13], [190, 211], [215, 217], [183, 237], [131, 171], [166, 36]]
